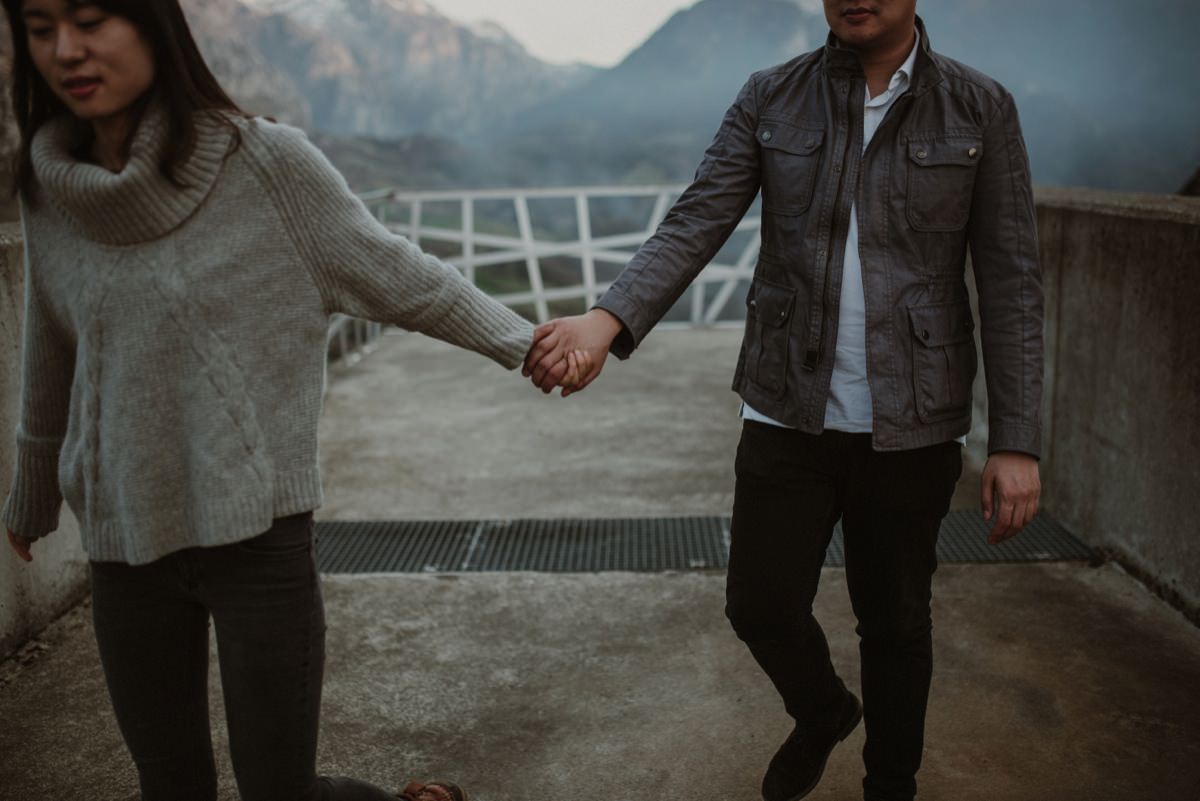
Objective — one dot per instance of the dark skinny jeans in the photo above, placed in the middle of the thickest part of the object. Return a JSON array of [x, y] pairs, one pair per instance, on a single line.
[[791, 490], [264, 598]]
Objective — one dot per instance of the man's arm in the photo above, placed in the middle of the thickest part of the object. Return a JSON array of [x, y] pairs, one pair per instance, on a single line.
[[692, 233], [1004, 253]]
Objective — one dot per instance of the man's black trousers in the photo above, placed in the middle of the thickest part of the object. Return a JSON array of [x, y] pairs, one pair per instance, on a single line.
[[792, 488]]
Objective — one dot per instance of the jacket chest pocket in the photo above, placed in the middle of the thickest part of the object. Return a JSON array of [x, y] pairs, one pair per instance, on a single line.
[[944, 359], [789, 160], [941, 180], [769, 310]]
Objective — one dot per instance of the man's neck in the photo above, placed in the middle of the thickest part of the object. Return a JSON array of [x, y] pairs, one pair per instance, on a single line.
[[880, 63]]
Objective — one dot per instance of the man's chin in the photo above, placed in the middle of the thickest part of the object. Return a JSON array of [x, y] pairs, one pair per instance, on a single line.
[[858, 36]]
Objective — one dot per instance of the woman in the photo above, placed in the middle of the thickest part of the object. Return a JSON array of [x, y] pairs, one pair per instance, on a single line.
[[183, 260]]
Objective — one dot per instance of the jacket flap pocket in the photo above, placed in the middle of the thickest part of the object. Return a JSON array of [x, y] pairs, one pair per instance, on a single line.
[[789, 139], [965, 152], [941, 324], [771, 304]]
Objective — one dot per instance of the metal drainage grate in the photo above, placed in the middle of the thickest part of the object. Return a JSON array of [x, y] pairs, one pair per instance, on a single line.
[[640, 544]]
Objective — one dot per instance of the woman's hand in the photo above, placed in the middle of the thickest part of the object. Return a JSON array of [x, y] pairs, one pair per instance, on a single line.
[[590, 334], [21, 545]]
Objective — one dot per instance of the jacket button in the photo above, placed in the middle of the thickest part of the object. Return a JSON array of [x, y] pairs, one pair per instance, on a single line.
[[754, 304], [766, 136], [921, 154], [973, 152], [925, 334]]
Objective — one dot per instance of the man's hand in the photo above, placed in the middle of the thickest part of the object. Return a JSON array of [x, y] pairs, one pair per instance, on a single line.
[[590, 335], [21, 546], [579, 366], [1011, 488]]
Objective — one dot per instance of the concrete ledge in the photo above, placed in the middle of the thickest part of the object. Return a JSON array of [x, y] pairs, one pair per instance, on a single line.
[[1130, 205], [30, 595]]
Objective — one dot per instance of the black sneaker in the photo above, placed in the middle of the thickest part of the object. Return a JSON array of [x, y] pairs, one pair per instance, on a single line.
[[799, 763]]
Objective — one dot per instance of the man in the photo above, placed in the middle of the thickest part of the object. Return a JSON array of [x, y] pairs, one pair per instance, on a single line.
[[879, 162]]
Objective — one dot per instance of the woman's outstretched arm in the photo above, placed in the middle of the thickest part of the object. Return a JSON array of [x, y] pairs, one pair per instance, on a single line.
[[364, 270]]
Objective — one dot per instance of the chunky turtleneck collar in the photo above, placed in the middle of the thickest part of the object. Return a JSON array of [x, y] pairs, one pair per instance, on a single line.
[[136, 204]]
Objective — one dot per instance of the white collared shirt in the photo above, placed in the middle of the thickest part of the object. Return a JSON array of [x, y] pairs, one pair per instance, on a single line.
[[849, 407]]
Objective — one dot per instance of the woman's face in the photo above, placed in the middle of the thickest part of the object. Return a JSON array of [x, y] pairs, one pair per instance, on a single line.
[[97, 63]]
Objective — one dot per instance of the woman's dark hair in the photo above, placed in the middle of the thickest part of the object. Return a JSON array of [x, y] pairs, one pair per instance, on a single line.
[[183, 83]]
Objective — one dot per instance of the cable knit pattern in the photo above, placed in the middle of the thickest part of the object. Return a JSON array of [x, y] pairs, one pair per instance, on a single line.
[[174, 338]]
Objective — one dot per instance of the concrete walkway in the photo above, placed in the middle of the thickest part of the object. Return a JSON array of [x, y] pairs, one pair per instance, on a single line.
[[1060, 681]]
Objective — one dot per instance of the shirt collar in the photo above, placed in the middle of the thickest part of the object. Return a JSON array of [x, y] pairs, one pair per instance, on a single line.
[[906, 69], [901, 77]]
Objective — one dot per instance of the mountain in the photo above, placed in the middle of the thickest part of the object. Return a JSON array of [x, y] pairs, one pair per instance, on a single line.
[[1104, 88], [225, 31], [651, 116], [1101, 87], [389, 68]]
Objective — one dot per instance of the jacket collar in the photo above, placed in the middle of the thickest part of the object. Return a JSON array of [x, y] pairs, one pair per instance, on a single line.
[[842, 62]]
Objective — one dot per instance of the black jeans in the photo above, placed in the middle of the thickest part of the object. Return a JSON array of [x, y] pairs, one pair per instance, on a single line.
[[791, 490], [264, 598]]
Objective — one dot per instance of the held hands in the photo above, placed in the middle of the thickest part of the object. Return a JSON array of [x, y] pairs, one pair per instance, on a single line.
[[570, 352], [1011, 488], [21, 546]]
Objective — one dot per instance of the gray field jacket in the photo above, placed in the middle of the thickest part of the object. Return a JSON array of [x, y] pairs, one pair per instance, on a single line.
[[946, 168]]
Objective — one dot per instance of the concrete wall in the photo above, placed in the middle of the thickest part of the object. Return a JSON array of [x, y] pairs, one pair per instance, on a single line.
[[1122, 465], [1122, 405], [31, 595]]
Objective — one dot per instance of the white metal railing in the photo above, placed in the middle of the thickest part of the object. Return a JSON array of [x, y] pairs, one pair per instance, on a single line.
[[494, 237]]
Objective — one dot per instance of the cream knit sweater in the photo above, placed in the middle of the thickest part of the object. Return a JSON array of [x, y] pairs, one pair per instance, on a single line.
[[174, 339]]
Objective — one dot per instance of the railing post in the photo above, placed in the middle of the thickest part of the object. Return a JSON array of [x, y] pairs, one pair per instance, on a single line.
[[414, 222], [583, 217], [534, 266], [660, 210], [726, 291], [697, 289], [468, 232]]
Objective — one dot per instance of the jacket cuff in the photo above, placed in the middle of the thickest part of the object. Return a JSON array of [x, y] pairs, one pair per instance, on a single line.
[[34, 503], [630, 315], [1015, 437]]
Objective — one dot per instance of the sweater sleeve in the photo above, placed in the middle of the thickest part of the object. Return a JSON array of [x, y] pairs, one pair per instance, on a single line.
[[47, 365], [364, 270]]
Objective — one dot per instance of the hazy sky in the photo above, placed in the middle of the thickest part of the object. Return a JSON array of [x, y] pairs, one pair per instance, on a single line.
[[571, 30]]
